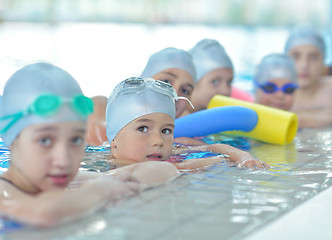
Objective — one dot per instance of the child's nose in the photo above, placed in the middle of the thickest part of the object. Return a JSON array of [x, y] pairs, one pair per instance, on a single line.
[[61, 157], [224, 89], [157, 139], [303, 63], [279, 93]]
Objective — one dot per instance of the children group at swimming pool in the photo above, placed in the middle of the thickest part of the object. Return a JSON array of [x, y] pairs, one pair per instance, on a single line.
[[43, 116]]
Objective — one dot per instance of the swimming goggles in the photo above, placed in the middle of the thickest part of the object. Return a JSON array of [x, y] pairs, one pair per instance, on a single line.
[[269, 88], [136, 84], [48, 104]]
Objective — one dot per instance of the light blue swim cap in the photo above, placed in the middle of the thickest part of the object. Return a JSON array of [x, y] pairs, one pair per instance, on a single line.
[[305, 36], [136, 97], [208, 55], [25, 86], [169, 58], [275, 66]]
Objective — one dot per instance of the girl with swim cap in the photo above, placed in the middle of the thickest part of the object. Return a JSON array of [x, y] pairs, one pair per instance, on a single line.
[[215, 73], [276, 81], [42, 120], [176, 67], [140, 117]]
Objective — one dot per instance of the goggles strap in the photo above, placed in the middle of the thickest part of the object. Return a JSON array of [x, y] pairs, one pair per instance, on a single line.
[[184, 98], [15, 117]]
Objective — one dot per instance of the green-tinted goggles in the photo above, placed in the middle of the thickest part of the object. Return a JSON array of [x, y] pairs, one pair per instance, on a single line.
[[48, 104]]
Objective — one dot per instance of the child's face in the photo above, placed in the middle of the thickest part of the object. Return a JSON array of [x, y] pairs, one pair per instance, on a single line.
[[218, 81], [309, 64], [277, 99], [48, 156], [182, 82], [147, 138]]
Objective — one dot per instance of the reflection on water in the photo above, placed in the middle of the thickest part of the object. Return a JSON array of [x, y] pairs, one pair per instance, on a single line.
[[220, 200]]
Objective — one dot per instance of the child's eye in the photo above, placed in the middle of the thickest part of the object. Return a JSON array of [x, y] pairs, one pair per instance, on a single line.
[[45, 142], [166, 131], [185, 92], [78, 141], [295, 55], [215, 82], [229, 82], [143, 129], [313, 57]]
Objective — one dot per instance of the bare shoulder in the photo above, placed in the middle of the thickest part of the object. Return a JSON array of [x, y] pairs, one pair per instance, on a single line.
[[9, 192], [326, 82]]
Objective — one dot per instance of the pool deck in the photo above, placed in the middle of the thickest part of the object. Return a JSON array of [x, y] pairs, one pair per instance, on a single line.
[[311, 220]]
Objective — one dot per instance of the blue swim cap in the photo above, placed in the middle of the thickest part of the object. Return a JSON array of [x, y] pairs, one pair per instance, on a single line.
[[169, 58], [275, 66], [25, 86], [305, 36], [208, 55], [136, 97]]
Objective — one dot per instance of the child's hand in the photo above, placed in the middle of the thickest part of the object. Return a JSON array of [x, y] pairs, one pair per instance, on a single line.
[[121, 185], [252, 163]]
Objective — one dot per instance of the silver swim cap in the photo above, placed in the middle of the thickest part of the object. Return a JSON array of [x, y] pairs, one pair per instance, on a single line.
[[169, 58], [136, 97], [208, 55], [275, 66], [35, 90], [305, 36]]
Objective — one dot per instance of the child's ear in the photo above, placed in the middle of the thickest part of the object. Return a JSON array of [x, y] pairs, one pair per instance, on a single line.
[[113, 145]]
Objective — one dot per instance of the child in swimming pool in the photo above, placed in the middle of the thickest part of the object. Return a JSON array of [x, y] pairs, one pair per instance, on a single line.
[[313, 99], [276, 81], [42, 120], [140, 117], [214, 73], [170, 65]]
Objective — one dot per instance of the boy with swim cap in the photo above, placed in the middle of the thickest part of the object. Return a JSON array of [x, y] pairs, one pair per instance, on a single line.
[[313, 99], [140, 117], [276, 81], [215, 73], [42, 120]]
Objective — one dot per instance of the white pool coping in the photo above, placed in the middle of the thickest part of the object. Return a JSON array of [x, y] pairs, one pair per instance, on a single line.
[[310, 220]]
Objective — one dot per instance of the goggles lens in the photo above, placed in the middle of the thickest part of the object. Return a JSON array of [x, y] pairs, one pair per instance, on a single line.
[[288, 88], [45, 105], [137, 82], [83, 105], [134, 82]]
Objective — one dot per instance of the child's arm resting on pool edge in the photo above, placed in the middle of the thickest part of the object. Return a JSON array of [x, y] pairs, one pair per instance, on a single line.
[[240, 158], [149, 174], [52, 207]]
